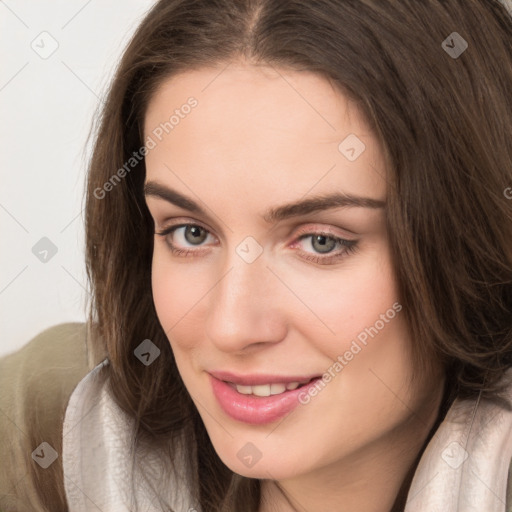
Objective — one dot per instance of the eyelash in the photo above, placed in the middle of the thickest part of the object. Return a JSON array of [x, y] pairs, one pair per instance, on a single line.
[[350, 246]]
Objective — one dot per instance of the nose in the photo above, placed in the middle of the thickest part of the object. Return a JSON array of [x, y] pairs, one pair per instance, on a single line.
[[245, 309]]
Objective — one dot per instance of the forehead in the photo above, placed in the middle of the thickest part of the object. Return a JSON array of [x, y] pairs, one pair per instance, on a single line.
[[257, 126]]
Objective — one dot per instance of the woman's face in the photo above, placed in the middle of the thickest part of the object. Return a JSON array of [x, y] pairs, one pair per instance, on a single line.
[[259, 288]]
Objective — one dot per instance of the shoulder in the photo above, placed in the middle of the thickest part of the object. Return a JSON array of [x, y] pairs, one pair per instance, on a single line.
[[36, 382], [467, 462]]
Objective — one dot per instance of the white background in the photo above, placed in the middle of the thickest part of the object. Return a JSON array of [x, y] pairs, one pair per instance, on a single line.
[[46, 110]]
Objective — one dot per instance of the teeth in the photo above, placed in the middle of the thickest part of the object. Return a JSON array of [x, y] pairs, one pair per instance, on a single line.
[[266, 389]]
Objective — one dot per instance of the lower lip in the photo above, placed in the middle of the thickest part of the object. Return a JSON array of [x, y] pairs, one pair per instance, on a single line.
[[256, 410]]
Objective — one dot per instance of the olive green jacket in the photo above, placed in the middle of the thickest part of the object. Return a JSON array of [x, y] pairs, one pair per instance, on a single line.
[[35, 385]]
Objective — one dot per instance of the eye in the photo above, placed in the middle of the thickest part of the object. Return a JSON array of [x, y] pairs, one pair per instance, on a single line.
[[191, 233], [322, 243]]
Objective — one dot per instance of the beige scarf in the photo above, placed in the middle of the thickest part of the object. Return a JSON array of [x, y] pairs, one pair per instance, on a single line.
[[463, 469]]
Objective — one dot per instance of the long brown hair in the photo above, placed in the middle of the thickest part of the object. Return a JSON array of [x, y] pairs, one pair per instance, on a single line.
[[445, 123]]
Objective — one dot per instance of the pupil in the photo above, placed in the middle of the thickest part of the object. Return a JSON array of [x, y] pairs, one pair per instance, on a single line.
[[193, 234], [326, 244]]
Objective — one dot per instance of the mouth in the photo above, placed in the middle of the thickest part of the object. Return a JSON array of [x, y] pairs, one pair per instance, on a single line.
[[262, 403], [274, 388]]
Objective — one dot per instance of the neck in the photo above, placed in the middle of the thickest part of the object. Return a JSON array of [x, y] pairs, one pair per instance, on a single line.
[[374, 479]]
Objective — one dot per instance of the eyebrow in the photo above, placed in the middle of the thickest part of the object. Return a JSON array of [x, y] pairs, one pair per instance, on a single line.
[[296, 209]]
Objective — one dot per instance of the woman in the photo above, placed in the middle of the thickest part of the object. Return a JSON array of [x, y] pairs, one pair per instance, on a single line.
[[298, 226]]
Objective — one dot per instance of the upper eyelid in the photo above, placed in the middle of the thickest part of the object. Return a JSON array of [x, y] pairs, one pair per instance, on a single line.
[[166, 224], [299, 221], [303, 232], [178, 225]]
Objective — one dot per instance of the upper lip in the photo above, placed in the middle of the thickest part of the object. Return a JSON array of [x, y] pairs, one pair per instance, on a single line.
[[257, 379]]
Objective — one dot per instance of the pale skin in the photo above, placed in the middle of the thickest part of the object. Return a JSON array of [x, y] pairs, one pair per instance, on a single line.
[[257, 139]]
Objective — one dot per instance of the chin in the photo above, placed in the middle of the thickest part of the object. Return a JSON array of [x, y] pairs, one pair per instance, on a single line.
[[264, 468]]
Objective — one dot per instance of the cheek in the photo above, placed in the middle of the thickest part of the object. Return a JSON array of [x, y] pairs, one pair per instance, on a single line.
[[347, 303], [177, 289], [175, 292]]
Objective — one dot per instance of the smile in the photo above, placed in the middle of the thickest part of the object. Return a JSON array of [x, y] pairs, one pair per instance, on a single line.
[[267, 389], [258, 404]]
